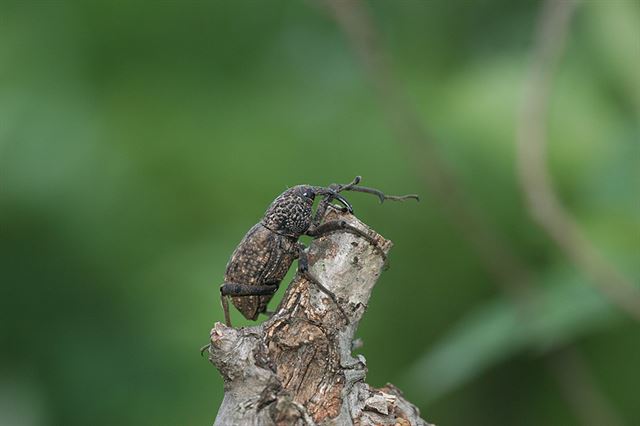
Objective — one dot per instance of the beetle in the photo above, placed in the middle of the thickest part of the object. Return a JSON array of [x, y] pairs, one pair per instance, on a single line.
[[263, 257]]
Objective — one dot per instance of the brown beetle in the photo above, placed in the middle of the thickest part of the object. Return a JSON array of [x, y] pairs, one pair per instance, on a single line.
[[265, 254]]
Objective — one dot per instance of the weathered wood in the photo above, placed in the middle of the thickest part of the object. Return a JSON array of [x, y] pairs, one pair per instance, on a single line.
[[297, 367]]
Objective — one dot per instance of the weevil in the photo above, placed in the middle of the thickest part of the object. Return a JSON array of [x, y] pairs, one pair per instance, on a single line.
[[265, 254]]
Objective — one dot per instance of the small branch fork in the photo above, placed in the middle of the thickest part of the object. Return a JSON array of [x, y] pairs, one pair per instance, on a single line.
[[297, 367]]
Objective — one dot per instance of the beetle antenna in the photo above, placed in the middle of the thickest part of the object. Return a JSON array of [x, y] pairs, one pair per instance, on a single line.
[[352, 186], [382, 196]]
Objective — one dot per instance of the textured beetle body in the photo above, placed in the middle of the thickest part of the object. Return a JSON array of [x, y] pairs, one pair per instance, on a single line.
[[267, 251], [262, 257], [265, 254]]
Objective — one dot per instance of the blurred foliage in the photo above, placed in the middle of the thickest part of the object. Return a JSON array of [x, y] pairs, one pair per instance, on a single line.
[[140, 140]]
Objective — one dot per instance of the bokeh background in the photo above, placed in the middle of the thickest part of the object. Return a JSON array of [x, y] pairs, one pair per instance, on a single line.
[[140, 140]]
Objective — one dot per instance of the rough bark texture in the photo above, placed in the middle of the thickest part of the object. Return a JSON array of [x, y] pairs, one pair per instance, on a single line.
[[297, 367]]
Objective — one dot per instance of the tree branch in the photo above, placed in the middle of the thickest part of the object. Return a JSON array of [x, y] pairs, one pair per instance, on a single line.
[[297, 367]]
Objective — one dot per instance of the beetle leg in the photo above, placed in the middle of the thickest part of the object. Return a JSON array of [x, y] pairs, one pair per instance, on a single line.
[[235, 289], [303, 269], [204, 348], [321, 210], [342, 226]]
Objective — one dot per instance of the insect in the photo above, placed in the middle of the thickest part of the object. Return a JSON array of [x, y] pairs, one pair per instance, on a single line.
[[265, 254]]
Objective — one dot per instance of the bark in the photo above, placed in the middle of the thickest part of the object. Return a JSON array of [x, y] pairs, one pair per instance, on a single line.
[[297, 368]]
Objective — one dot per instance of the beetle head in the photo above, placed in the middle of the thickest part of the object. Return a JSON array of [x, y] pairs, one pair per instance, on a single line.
[[291, 212]]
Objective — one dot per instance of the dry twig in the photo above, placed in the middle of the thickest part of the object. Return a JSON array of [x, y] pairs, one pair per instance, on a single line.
[[297, 367]]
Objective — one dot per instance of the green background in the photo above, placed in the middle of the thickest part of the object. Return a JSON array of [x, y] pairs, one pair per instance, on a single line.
[[140, 140]]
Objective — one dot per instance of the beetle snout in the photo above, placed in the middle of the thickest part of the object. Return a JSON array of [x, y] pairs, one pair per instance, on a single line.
[[332, 194]]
